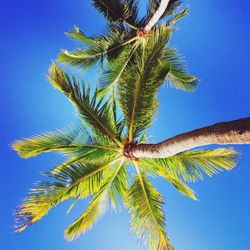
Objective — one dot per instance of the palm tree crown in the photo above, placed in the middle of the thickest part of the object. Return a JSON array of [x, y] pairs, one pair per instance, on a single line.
[[125, 39], [98, 149]]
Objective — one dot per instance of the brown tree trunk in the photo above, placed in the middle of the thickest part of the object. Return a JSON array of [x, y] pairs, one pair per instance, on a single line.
[[157, 15], [233, 132]]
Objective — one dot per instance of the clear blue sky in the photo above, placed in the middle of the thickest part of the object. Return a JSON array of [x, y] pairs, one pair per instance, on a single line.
[[215, 39]]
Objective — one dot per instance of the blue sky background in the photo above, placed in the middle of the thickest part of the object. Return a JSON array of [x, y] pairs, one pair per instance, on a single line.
[[215, 39]]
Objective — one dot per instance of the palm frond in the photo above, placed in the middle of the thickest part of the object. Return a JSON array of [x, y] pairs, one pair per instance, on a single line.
[[150, 167], [131, 10], [112, 10], [91, 110], [176, 17], [111, 78], [79, 36], [177, 76], [141, 80], [38, 204], [181, 187], [117, 10], [173, 5], [82, 179], [118, 191], [91, 155], [77, 181], [68, 140], [83, 58], [146, 210], [100, 48], [190, 165], [95, 209]]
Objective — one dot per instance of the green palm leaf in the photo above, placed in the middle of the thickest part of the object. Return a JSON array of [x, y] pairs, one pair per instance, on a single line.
[[68, 141], [112, 10], [91, 155], [83, 179], [117, 10], [116, 68], [140, 82], [95, 114], [83, 58], [152, 168], [177, 76], [78, 35], [38, 204], [99, 48], [190, 165], [77, 181], [172, 7], [176, 17], [118, 191], [181, 187], [95, 209], [146, 210]]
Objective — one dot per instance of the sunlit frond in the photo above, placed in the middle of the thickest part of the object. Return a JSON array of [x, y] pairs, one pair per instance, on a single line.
[[91, 155], [79, 36], [190, 165], [154, 169], [77, 181], [117, 193], [99, 49], [177, 76], [141, 80], [38, 204], [68, 141], [96, 208], [116, 68], [181, 187], [145, 206], [94, 113], [82, 179], [176, 17]]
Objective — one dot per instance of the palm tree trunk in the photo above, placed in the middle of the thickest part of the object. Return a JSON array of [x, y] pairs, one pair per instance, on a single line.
[[233, 132], [157, 15]]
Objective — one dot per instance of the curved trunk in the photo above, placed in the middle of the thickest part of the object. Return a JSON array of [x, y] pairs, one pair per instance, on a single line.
[[233, 132], [157, 15]]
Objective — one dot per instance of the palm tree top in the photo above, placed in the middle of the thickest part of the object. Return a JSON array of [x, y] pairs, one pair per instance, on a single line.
[[112, 120], [100, 164]]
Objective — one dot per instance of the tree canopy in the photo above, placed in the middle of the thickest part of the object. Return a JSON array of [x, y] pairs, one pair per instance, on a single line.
[[113, 118]]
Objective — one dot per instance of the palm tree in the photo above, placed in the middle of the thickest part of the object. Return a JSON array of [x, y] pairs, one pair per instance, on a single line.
[[127, 35], [107, 155], [101, 163]]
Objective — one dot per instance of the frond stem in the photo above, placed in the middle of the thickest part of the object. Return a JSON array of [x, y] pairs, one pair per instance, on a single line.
[[104, 52], [135, 46], [110, 134], [134, 104], [131, 26], [77, 146], [144, 66], [145, 194]]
